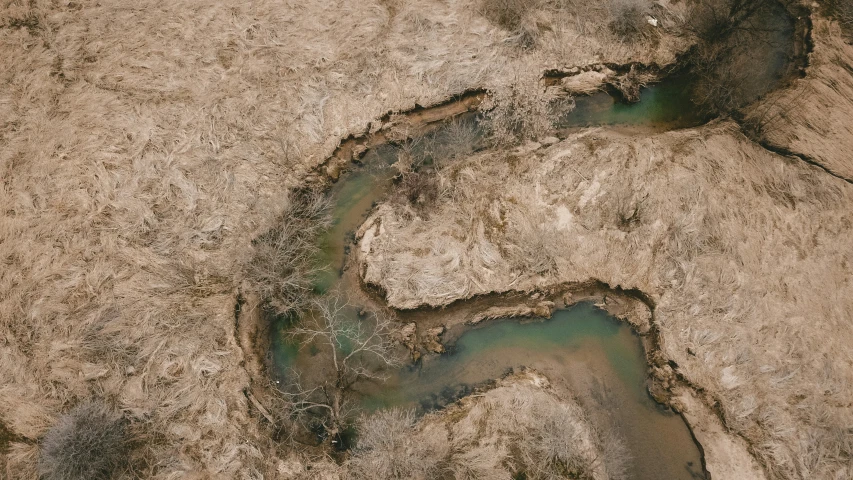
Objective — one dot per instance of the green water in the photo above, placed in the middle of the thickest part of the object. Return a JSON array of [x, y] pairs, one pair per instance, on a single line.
[[663, 106], [597, 357]]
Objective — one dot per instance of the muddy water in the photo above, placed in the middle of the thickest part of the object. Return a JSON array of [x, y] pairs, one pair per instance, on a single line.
[[586, 353]]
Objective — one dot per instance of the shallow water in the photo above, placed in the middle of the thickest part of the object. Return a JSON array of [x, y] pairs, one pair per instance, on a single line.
[[598, 357], [663, 106]]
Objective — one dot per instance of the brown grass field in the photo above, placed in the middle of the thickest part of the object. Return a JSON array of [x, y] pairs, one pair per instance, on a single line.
[[145, 144]]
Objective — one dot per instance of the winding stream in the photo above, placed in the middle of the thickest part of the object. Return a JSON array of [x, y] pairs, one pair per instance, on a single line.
[[592, 356]]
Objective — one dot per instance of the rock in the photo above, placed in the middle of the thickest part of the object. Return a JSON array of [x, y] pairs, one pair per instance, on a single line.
[[432, 340], [333, 170], [544, 309], [408, 334], [358, 151]]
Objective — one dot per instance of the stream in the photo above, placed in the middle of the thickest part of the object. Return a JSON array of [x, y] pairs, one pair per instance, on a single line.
[[593, 356]]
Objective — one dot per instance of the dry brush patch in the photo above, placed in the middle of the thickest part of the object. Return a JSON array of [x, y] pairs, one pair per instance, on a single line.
[[743, 251], [518, 428]]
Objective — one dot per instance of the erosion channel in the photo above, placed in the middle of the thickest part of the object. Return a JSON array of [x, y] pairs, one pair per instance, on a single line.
[[582, 349]]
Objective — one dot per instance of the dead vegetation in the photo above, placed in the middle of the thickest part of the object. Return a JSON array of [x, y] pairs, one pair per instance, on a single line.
[[522, 111], [88, 443], [517, 430], [284, 263], [349, 349], [389, 448], [630, 18], [842, 11], [732, 37]]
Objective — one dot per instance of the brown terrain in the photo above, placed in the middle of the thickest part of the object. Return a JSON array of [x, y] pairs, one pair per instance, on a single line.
[[144, 145]]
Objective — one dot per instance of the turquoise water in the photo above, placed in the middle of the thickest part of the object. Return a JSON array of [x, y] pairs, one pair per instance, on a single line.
[[663, 106], [598, 357]]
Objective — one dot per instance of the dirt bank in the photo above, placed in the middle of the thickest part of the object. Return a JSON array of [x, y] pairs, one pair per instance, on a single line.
[[811, 118]]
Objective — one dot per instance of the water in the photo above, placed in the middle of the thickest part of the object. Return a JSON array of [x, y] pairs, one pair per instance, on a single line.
[[597, 357], [663, 106]]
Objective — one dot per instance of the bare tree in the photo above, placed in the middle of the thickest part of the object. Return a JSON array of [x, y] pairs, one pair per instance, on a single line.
[[350, 349], [284, 264]]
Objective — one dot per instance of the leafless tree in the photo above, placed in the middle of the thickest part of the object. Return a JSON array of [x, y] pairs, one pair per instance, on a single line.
[[350, 350], [283, 265]]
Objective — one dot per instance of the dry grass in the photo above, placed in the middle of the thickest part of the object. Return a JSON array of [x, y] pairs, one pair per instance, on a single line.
[[812, 117], [744, 252], [144, 145], [389, 448]]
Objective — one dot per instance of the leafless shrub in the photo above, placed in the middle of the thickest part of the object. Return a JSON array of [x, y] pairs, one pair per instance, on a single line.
[[388, 449], [728, 35], [283, 264], [349, 350], [420, 160], [520, 112], [87, 443], [628, 17], [615, 455], [553, 446], [507, 14]]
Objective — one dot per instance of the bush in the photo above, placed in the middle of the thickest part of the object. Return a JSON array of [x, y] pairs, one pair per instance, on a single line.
[[507, 14], [842, 11], [628, 17], [387, 448], [731, 36], [284, 264], [523, 111], [88, 443]]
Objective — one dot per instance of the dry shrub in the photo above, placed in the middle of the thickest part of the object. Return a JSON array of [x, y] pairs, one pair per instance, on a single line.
[[507, 14], [387, 448], [553, 444], [522, 111], [420, 161], [87, 443], [842, 11], [731, 37], [283, 266], [628, 18]]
